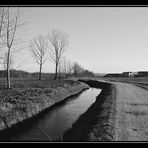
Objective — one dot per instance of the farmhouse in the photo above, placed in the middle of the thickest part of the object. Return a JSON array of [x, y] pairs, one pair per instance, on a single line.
[[127, 74]]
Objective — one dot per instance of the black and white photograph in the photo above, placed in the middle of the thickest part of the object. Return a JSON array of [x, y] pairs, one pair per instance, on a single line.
[[73, 74]]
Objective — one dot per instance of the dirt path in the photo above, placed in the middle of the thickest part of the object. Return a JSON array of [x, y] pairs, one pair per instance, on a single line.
[[132, 113]]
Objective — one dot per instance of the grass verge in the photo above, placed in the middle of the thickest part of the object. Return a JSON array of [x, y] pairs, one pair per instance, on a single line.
[[97, 123]]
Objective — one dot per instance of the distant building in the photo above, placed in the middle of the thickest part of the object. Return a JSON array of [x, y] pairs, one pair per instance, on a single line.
[[127, 74], [142, 73], [135, 74]]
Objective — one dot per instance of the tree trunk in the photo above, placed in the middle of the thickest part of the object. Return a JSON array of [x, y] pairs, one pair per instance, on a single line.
[[40, 72], [56, 72], [8, 69]]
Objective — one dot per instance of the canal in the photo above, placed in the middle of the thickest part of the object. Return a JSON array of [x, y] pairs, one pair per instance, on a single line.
[[51, 125]]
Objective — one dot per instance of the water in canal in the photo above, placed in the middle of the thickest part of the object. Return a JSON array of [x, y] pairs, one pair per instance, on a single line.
[[51, 125]]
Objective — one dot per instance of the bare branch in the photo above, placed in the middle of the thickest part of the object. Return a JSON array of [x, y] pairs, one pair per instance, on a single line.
[[57, 42], [38, 49], [10, 24]]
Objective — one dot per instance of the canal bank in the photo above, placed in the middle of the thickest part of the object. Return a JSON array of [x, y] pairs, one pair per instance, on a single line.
[[98, 122], [52, 123], [18, 105]]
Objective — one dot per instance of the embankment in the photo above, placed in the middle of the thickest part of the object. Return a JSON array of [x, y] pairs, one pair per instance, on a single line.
[[17, 105], [97, 123]]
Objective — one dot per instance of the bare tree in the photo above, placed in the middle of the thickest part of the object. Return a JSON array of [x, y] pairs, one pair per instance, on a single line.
[[77, 69], [11, 26], [57, 43], [38, 48]]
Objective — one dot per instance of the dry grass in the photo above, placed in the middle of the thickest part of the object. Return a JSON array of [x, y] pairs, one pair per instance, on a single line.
[[30, 83]]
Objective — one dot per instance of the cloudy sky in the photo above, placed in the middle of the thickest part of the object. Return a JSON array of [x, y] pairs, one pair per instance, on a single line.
[[101, 39]]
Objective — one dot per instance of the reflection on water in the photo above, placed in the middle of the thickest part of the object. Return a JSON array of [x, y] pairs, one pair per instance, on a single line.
[[52, 124]]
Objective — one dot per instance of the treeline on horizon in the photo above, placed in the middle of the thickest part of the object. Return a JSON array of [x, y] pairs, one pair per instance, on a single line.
[[20, 74]]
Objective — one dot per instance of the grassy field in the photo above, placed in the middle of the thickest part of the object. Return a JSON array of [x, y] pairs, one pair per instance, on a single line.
[[34, 83], [128, 79]]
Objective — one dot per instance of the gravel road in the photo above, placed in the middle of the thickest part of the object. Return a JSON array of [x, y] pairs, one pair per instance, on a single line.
[[131, 113]]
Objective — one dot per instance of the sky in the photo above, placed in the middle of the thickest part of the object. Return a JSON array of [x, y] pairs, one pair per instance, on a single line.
[[101, 39]]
